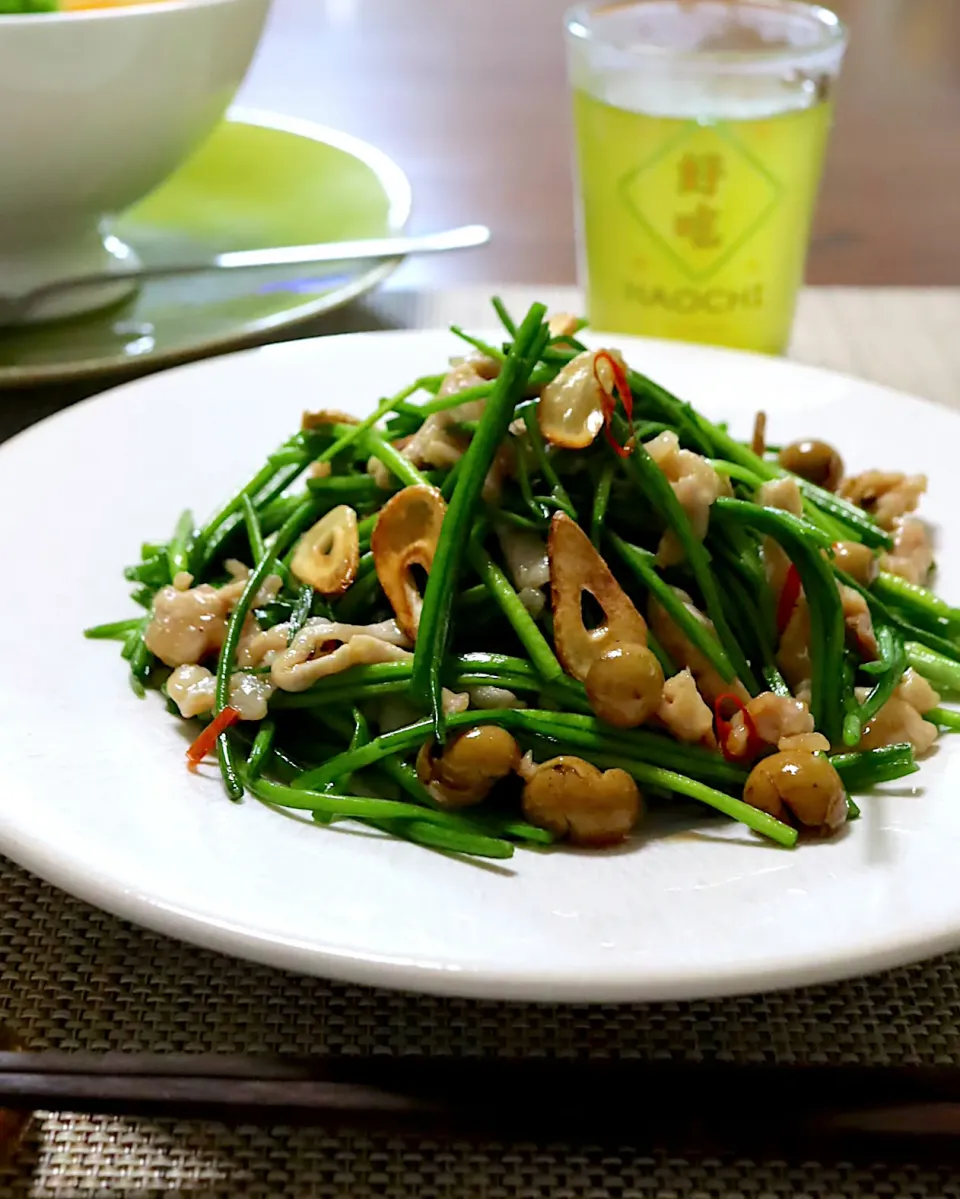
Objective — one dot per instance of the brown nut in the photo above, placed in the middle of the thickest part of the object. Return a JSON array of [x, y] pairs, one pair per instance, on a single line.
[[574, 799], [469, 766], [805, 786], [858, 561], [406, 535], [571, 407], [328, 554], [815, 461], [624, 684], [576, 567]]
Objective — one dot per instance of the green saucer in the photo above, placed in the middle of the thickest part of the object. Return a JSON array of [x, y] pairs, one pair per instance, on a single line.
[[259, 180]]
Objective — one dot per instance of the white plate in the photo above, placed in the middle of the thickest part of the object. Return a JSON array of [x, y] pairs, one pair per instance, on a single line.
[[95, 798]]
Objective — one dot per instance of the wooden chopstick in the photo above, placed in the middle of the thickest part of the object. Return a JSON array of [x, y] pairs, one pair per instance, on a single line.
[[912, 1112]]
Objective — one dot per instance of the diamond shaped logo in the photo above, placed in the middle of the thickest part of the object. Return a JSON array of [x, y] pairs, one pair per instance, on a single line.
[[701, 197]]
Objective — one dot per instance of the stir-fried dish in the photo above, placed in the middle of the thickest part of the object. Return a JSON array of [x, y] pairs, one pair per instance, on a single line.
[[535, 593]]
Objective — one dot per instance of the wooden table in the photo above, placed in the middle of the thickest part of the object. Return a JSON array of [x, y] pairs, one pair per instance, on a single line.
[[469, 96]]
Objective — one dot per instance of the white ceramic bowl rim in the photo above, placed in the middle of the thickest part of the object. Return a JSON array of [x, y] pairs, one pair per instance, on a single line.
[[109, 12]]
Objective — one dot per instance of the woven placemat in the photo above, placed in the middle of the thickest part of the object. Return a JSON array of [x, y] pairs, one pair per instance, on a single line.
[[73, 977]]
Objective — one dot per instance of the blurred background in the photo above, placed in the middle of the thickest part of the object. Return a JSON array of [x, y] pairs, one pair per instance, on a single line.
[[470, 99]]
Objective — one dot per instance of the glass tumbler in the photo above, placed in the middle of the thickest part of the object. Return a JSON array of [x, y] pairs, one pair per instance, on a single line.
[[700, 134]]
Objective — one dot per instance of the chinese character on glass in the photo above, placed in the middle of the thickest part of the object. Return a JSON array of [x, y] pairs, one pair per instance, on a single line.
[[700, 173], [699, 227]]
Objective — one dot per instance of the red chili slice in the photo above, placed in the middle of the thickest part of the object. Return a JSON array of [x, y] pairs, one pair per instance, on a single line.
[[622, 388], [788, 598], [725, 729], [205, 743]]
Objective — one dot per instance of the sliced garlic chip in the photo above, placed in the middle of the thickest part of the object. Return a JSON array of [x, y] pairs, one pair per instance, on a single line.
[[406, 535], [576, 567], [328, 554]]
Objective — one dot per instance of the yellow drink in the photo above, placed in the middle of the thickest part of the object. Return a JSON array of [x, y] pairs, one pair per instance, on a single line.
[[701, 127], [694, 229]]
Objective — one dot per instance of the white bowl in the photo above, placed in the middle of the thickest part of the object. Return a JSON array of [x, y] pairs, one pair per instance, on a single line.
[[99, 107]]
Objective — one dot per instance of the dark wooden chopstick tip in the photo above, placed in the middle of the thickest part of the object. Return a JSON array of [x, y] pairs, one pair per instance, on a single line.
[[719, 1105]]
